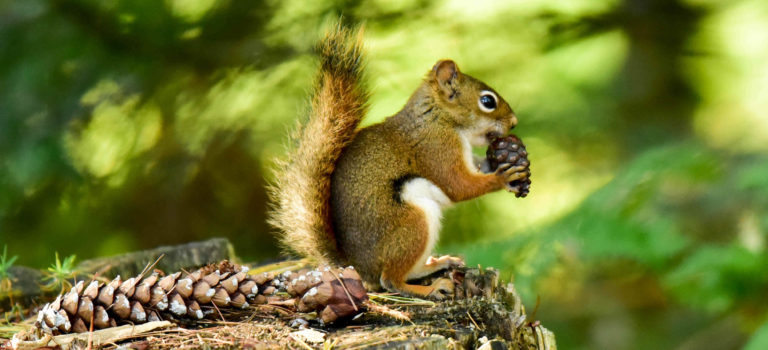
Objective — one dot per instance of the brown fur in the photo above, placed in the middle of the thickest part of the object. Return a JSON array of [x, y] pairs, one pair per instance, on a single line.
[[301, 190]]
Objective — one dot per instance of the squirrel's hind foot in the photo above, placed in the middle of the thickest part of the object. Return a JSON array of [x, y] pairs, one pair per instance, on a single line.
[[442, 288]]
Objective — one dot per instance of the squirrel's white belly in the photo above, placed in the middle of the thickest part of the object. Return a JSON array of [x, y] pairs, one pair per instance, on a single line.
[[426, 196]]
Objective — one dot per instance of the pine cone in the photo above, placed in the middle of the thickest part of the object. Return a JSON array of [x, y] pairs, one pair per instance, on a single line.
[[339, 293], [139, 300], [193, 296], [510, 150]]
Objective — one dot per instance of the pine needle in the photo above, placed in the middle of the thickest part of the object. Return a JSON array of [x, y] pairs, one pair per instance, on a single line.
[[280, 267], [399, 300], [386, 311]]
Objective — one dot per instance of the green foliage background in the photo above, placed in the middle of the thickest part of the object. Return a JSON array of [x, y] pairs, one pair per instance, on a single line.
[[131, 124]]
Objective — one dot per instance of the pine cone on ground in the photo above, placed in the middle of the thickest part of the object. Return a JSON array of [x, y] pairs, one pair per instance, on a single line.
[[510, 150], [196, 295], [339, 293]]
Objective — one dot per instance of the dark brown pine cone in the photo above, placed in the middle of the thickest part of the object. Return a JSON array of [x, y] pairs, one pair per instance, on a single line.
[[510, 150]]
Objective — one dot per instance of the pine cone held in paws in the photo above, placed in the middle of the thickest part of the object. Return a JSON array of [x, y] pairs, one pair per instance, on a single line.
[[510, 150]]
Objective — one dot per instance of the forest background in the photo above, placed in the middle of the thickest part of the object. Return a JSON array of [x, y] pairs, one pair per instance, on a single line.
[[131, 124]]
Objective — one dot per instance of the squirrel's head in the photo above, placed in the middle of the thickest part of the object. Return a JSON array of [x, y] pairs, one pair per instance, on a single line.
[[471, 105]]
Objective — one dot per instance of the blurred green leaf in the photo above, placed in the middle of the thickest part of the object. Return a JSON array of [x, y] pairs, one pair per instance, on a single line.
[[6, 263], [759, 339], [714, 278]]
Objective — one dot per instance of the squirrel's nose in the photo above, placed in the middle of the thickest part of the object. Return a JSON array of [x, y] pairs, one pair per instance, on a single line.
[[512, 122]]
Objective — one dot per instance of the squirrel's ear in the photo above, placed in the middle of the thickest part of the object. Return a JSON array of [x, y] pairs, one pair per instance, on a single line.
[[446, 74]]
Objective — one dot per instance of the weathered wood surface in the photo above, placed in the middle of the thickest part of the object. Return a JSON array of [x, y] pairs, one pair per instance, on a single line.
[[175, 258], [484, 313]]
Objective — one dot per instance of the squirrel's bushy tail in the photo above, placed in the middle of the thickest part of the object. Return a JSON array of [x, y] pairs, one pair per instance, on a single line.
[[302, 187]]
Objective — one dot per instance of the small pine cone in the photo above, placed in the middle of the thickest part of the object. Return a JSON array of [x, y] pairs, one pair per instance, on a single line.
[[510, 150], [339, 293], [139, 300]]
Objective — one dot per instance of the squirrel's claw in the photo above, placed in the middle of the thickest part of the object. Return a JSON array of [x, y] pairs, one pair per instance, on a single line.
[[503, 167], [508, 173], [516, 173]]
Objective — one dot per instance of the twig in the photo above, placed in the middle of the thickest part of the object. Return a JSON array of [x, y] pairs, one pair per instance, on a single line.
[[150, 266], [383, 310], [473, 321], [535, 309], [219, 311], [90, 334]]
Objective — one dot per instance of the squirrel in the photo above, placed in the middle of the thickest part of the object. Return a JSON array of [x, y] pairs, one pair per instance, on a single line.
[[373, 197]]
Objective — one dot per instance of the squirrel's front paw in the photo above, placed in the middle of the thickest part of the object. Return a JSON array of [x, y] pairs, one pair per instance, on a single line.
[[441, 289], [445, 261]]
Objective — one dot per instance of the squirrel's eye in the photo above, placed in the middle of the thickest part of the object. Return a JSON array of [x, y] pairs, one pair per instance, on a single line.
[[487, 101]]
